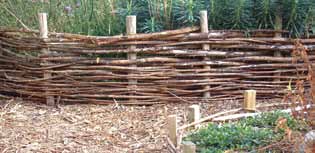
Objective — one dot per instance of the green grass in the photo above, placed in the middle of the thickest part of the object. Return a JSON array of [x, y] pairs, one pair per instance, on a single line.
[[107, 17], [92, 17], [246, 135]]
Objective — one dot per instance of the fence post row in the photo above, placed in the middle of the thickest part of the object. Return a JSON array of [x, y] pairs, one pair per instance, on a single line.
[[131, 29], [204, 29], [43, 32]]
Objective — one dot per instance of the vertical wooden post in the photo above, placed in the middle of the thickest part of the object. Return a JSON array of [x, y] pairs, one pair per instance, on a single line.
[[172, 128], [43, 27], [204, 29], [43, 32], [278, 18], [131, 25], [193, 114], [0, 50], [278, 27], [250, 100], [188, 147]]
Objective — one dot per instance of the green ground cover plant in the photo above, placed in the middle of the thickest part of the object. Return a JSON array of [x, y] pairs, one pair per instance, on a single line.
[[245, 135], [269, 120]]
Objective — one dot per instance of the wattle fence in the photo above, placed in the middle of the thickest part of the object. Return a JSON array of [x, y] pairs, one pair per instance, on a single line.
[[185, 65]]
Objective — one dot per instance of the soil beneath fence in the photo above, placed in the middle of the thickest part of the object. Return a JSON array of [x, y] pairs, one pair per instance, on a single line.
[[29, 127]]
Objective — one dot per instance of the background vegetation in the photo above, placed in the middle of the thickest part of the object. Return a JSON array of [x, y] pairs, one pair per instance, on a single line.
[[107, 17]]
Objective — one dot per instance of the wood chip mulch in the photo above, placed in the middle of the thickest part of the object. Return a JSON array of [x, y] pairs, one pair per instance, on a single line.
[[30, 127]]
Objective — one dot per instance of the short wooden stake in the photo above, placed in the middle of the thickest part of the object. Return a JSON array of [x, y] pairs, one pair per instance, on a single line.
[[172, 128], [204, 29], [193, 114], [250, 100], [188, 147], [131, 28], [43, 32]]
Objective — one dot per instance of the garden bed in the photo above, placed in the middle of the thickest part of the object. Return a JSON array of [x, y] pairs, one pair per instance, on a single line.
[[268, 132]]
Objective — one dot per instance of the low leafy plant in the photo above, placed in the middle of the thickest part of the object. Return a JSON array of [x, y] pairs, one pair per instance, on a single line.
[[246, 135], [269, 120], [216, 138]]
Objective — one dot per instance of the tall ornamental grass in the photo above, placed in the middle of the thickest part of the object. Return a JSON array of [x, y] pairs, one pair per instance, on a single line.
[[107, 17]]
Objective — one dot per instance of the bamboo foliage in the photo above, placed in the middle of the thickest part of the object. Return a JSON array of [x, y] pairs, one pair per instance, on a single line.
[[107, 17], [264, 14]]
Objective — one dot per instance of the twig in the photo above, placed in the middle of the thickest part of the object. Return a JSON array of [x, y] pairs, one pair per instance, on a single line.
[[243, 115], [208, 118], [4, 150], [270, 146], [173, 148], [179, 97], [4, 97], [19, 20], [116, 104], [4, 111], [272, 105]]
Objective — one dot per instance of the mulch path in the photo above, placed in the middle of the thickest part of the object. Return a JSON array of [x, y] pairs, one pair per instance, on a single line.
[[30, 127]]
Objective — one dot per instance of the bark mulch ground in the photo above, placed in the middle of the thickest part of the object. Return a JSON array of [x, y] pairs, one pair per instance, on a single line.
[[30, 127]]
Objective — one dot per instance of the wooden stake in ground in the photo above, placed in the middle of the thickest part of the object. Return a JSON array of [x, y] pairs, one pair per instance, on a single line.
[[131, 25], [250, 100], [193, 114], [188, 147], [204, 29], [172, 128], [43, 31]]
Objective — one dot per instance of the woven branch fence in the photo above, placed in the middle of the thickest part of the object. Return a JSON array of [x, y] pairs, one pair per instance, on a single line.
[[169, 66]]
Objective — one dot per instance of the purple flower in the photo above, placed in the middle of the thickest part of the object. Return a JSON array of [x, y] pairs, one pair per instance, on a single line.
[[68, 9], [78, 4]]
